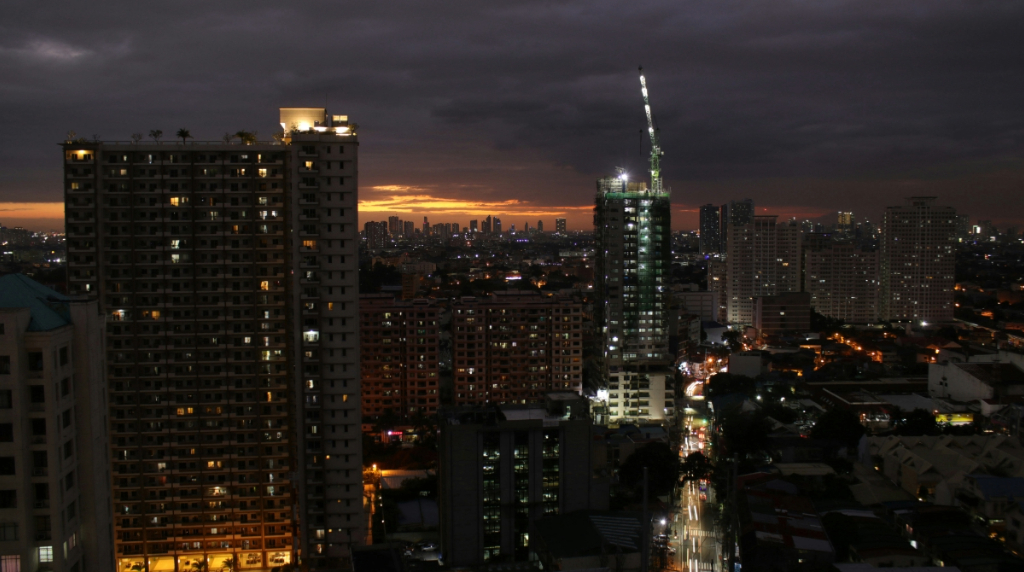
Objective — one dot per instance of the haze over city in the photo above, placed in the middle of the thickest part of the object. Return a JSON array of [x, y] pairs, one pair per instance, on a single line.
[[472, 109]]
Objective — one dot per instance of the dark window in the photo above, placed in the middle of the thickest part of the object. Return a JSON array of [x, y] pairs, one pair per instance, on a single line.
[[5, 364], [63, 353], [39, 427], [6, 465], [69, 481], [5, 399], [42, 494], [8, 499], [69, 448], [65, 386], [40, 460], [67, 418], [6, 432], [35, 361], [36, 394]]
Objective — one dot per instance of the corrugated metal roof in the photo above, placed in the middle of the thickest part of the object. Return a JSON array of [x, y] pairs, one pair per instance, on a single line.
[[49, 308]]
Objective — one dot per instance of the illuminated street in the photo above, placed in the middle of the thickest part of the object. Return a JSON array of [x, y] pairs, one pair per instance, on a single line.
[[694, 541]]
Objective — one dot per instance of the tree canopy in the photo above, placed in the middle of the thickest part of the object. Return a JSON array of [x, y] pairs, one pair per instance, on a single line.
[[840, 425], [662, 468]]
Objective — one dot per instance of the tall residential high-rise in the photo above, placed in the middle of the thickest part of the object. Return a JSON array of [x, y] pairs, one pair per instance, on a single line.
[[394, 226], [55, 504], [842, 279], [486, 227], [540, 226], [560, 225], [916, 261], [426, 227], [228, 276], [734, 213], [473, 226], [376, 234], [408, 229], [496, 225], [710, 227], [763, 260], [512, 347], [502, 468], [399, 343]]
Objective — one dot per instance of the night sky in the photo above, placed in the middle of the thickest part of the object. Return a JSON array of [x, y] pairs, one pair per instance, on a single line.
[[515, 108]]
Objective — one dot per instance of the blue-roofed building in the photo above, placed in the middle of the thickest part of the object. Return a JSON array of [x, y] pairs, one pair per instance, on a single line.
[[56, 511]]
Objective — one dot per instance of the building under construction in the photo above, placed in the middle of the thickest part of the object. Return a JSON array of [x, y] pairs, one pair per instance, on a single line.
[[632, 223]]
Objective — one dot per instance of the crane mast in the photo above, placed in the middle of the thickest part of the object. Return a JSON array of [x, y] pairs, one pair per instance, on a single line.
[[656, 151]]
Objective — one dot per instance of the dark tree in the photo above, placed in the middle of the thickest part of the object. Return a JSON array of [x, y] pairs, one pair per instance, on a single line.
[[745, 434], [726, 383], [697, 467], [732, 339], [662, 469], [840, 425]]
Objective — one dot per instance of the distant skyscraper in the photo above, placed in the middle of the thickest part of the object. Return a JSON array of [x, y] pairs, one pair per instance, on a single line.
[[496, 225], [473, 226], [917, 261], [394, 226], [486, 227], [540, 226], [734, 213], [426, 227], [408, 229], [963, 227], [456, 229], [227, 275], [560, 225], [710, 227], [376, 234], [845, 223], [763, 260], [842, 279]]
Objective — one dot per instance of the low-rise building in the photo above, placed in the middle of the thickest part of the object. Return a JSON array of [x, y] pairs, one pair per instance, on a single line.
[[780, 530], [975, 381], [503, 467]]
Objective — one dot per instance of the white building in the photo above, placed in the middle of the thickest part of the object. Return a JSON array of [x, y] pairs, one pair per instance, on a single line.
[[640, 397], [975, 381], [55, 505]]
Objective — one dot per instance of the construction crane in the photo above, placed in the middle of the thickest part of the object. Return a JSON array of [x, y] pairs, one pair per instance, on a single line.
[[656, 151]]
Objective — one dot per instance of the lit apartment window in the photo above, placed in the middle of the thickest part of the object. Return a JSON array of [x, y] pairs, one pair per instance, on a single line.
[[45, 554], [10, 563]]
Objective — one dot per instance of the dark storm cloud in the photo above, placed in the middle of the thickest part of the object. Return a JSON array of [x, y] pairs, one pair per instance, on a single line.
[[782, 101]]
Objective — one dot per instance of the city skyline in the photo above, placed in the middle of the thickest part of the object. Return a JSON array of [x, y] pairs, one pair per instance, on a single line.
[[477, 125]]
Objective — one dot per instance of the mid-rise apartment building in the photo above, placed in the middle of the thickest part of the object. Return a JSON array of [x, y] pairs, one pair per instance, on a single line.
[[399, 342], [503, 468], [842, 279], [560, 225], [513, 347], [763, 260], [227, 273], [55, 505], [916, 260]]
